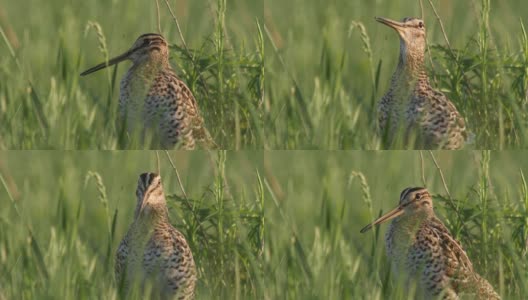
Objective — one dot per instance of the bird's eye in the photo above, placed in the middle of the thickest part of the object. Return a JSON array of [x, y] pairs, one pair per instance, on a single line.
[[421, 24], [146, 42]]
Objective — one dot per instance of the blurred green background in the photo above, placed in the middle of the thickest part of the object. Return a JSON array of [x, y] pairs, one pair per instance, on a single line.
[[317, 202], [265, 225], [78, 206], [45, 104], [329, 62]]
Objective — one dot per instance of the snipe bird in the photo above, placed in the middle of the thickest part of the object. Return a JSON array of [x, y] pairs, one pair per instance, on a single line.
[[153, 100], [153, 251], [422, 250], [411, 108]]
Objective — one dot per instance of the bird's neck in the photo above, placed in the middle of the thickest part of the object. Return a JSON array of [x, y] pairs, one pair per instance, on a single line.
[[410, 69], [149, 67], [153, 215], [406, 227]]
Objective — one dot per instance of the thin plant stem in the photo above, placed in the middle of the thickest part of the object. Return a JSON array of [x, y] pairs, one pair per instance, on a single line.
[[158, 15], [189, 206], [158, 161], [442, 28], [178, 177], [185, 45], [441, 174], [422, 167]]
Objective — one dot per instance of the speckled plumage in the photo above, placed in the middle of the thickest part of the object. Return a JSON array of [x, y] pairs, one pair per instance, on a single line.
[[411, 106], [422, 250], [154, 101], [153, 251]]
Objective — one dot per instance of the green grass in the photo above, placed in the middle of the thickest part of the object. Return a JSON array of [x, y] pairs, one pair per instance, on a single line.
[[45, 104], [63, 214], [329, 63], [319, 201], [262, 225]]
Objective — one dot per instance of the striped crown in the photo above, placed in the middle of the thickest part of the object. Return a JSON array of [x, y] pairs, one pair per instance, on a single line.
[[149, 41], [147, 182], [409, 195]]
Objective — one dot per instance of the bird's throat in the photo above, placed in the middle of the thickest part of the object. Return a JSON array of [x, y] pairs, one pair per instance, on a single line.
[[411, 64]]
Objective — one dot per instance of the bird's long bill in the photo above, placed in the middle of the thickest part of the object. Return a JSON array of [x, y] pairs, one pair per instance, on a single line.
[[143, 202], [391, 23], [386, 217], [103, 65]]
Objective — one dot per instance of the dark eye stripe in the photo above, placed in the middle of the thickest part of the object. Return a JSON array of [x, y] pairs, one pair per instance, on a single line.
[[406, 192], [416, 25], [146, 179], [154, 48], [156, 40], [151, 43]]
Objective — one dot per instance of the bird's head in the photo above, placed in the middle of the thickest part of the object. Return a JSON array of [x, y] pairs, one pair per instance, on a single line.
[[414, 201], [150, 47], [150, 196], [412, 36]]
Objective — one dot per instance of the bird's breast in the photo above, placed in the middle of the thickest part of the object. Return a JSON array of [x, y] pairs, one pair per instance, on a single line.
[[133, 92], [401, 239]]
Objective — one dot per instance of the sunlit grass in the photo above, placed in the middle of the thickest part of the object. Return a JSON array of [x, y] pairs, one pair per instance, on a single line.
[[339, 61], [320, 200], [45, 104], [63, 218]]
